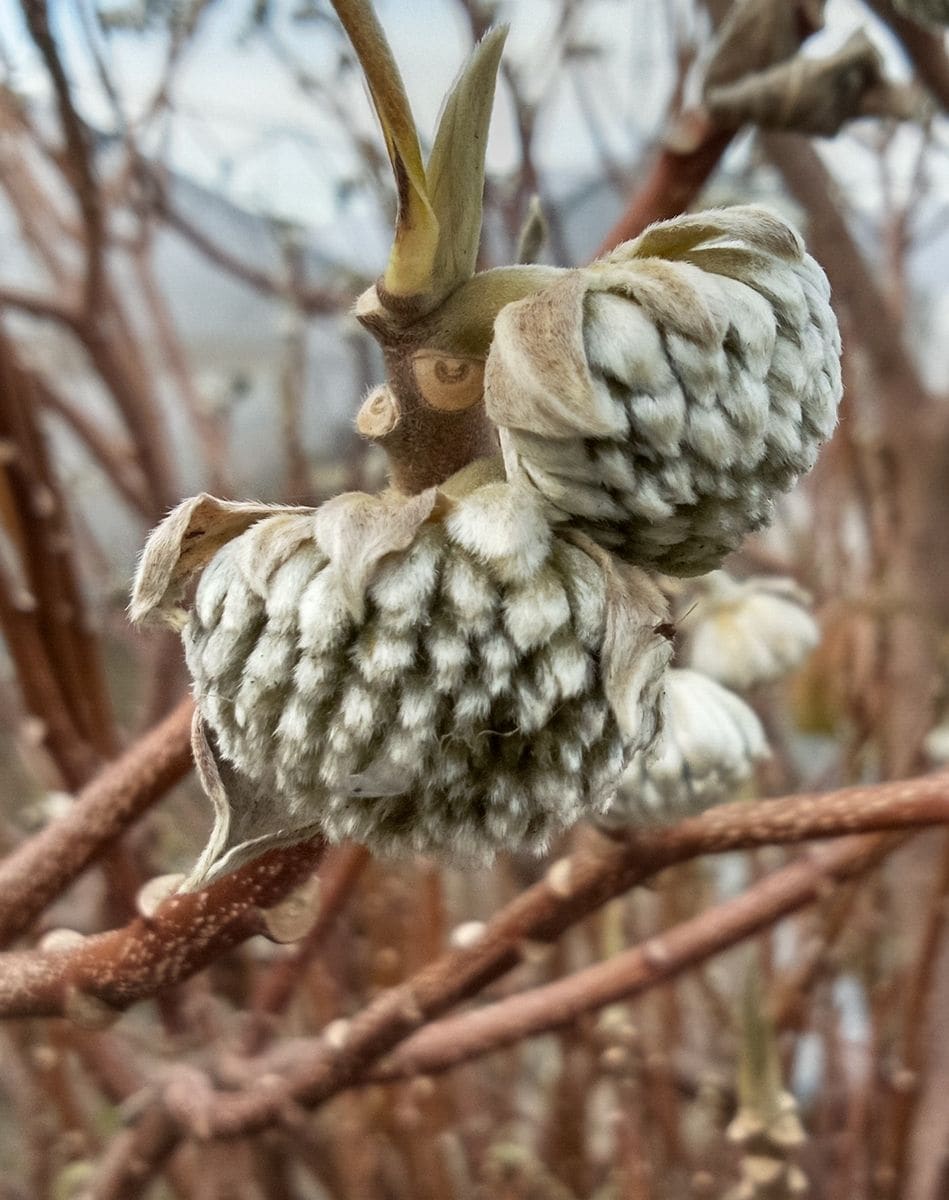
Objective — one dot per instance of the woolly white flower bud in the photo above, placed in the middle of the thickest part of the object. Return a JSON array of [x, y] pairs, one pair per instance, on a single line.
[[660, 398], [749, 632], [419, 674], [707, 750]]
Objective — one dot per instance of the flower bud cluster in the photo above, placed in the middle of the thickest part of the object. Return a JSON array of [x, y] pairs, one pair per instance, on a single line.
[[735, 635], [415, 673], [474, 666], [660, 398]]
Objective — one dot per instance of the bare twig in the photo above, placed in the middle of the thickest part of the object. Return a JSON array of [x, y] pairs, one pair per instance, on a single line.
[[916, 1018], [37, 305], [457, 1039], [919, 546], [79, 168], [116, 459], [337, 880], [925, 47], [572, 888], [39, 870], [310, 300], [188, 931], [674, 180]]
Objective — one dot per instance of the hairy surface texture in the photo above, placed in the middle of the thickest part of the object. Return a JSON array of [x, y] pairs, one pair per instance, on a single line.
[[710, 743], [748, 632], [471, 682], [662, 397]]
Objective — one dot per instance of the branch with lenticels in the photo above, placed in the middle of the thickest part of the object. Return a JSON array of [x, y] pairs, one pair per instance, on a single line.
[[447, 1043], [572, 888], [93, 979], [39, 983], [353, 1052]]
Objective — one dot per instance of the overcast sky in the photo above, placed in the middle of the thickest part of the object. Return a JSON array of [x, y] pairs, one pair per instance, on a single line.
[[244, 128]]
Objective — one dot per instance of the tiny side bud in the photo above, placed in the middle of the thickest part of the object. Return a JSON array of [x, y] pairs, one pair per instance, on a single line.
[[292, 918], [155, 891], [378, 415], [88, 1011]]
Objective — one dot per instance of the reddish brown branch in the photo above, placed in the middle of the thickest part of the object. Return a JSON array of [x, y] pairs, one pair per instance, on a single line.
[[917, 1018], [925, 47], [853, 284], [915, 449], [134, 1156], [337, 880], [117, 460], [40, 525], [78, 158], [572, 888], [185, 934], [43, 307], [674, 180], [39, 870], [543, 1009], [39, 686]]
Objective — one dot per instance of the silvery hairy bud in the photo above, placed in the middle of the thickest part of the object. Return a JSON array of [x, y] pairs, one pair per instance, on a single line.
[[660, 398], [747, 632], [470, 660], [709, 746], [420, 673]]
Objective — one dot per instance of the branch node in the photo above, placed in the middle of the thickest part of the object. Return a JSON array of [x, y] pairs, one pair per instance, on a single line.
[[293, 917], [56, 940], [88, 1011], [152, 894], [336, 1034], [559, 877]]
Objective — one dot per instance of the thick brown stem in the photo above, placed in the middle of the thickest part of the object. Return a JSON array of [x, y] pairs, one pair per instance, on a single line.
[[186, 933], [424, 449]]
